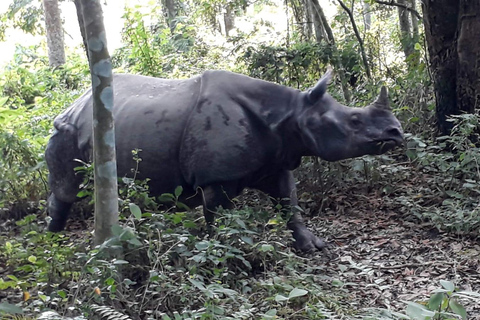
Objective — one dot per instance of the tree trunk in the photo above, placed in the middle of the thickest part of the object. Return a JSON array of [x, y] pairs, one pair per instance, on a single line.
[[106, 194], [54, 28], [414, 18], [405, 35], [367, 15], [229, 19], [309, 17], [320, 32], [468, 48], [359, 38], [441, 19], [78, 6], [170, 13], [335, 56]]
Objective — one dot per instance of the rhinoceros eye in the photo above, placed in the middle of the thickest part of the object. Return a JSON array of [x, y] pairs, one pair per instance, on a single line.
[[355, 121]]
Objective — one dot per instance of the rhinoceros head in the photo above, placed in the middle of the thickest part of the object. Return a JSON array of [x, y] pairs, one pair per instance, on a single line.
[[334, 132]]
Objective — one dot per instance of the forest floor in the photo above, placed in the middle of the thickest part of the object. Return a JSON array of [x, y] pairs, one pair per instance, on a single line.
[[381, 256], [385, 258]]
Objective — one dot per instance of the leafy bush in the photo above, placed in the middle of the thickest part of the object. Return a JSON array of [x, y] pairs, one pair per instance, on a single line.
[[31, 95]]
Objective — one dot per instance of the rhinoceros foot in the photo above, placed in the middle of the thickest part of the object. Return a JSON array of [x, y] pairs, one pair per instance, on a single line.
[[305, 240]]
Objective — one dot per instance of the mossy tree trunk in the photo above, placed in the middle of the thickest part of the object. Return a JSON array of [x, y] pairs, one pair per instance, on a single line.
[[106, 194]]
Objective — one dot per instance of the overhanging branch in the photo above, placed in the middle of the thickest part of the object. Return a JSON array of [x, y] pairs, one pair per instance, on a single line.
[[406, 7]]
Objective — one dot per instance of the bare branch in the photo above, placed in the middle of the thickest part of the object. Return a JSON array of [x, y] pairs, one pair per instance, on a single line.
[[406, 7], [359, 38]]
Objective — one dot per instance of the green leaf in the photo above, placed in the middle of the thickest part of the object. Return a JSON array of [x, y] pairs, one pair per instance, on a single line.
[[198, 284], [178, 191], [457, 308], [62, 294], [9, 308], [247, 240], [418, 312], [418, 46], [166, 197], [296, 292], [436, 300], [337, 283], [271, 312], [32, 259], [266, 248], [3, 100], [280, 298], [135, 210], [449, 286]]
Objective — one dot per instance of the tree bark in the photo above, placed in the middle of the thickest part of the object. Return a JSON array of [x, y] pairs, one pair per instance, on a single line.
[[318, 26], [441, 19], [78, 6], [106, 194], [414, 18], [170, 13], [468, 48], [54, 29], [229, 19], [405, 33], [367, 16]]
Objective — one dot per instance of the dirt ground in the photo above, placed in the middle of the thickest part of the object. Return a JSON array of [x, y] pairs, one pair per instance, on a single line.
[[383, 257], [380, 256]]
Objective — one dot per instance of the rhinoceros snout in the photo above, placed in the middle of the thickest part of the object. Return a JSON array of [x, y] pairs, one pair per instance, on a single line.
[[395, 134]]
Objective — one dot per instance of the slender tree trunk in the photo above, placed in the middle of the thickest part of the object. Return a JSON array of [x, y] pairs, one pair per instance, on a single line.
[[359, 38], [78, 6], [414, 18], [335, 57], [106, 193], [367, 15], [318, 26], [308, 19], [54, 28], [229, 19], [170, 13], [405, 34]]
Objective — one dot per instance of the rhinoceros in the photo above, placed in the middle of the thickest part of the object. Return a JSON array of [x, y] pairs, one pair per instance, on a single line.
[[216, 134]]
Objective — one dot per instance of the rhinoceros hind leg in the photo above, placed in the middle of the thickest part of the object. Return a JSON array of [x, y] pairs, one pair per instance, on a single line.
[[58, 211]]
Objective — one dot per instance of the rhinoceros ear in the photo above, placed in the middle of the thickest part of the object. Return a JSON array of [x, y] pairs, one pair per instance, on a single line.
[[320, 88], [382, 100]]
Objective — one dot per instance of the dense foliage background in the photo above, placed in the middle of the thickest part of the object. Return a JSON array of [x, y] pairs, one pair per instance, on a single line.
[[171, 270]]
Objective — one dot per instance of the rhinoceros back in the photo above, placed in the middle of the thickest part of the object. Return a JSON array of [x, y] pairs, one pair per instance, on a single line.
[[150, 115]]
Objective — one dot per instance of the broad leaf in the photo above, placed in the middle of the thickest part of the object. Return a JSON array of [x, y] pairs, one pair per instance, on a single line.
[[135, 210], [296, 292]]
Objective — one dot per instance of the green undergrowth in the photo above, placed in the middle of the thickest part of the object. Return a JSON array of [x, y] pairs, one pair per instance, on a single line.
[[169, 268], [31, 95]]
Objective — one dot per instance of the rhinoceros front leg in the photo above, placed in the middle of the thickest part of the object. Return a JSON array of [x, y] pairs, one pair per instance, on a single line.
[[282, 186], [217, 195], [58, 211]]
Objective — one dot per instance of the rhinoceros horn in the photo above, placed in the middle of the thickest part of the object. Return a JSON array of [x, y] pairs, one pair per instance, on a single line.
[[382, 100], [321, 87]]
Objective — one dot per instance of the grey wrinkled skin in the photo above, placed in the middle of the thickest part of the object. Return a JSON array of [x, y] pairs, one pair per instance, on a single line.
[[216, 134]]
